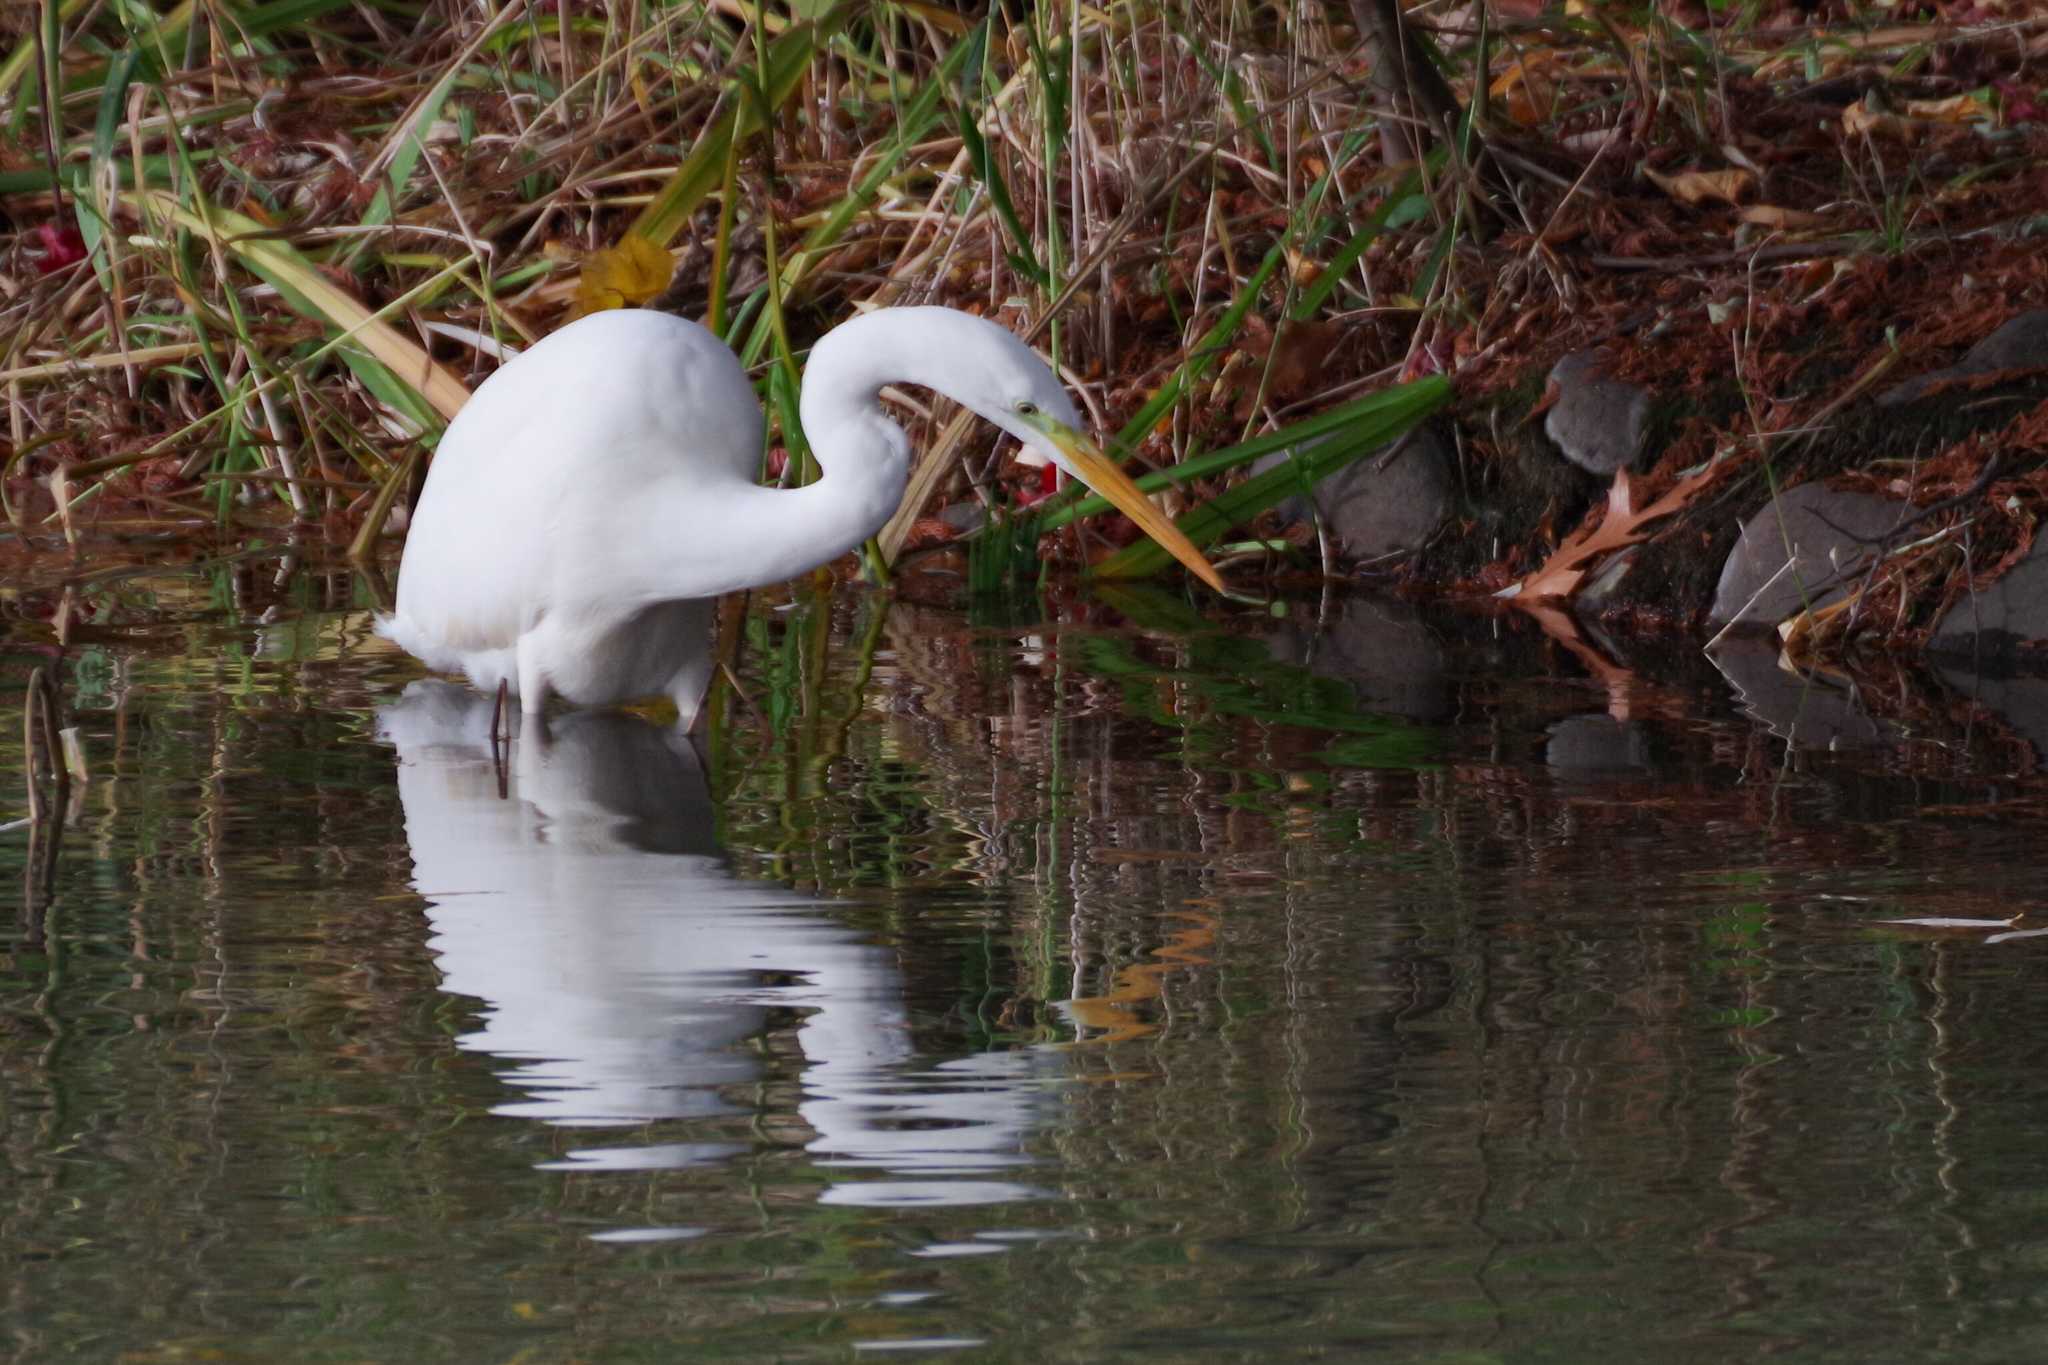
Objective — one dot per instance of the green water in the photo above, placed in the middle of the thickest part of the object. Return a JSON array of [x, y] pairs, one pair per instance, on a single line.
[[1073, 986]]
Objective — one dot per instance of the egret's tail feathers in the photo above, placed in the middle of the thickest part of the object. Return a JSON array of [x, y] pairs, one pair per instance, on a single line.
[[485, 668]]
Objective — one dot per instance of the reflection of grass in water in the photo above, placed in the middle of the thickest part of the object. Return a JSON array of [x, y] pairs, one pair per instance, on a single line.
[[1238, 679], [1002, 561], [826, 795]]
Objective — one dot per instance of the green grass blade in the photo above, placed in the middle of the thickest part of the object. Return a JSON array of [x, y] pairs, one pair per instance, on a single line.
[[1312, 299], [1408, 405], [408, 155], [985, 170], [1064, 506], [311, 294], [1205, 352], [917, 119], [1372, 412], [703, 170], [20, 62]]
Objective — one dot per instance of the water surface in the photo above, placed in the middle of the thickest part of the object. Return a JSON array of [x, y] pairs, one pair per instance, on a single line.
[[1065, 983]]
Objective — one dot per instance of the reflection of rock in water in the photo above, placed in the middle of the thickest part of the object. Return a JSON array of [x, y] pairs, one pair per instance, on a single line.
[[1807, 712], [1598, 745], [2020, 702], [621, 964], [1382, 649]]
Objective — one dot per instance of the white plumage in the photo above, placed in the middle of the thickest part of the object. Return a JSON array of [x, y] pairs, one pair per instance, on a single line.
[[598, 491]]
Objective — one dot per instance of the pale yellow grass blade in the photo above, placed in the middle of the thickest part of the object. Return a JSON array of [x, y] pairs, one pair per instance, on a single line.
[[307, 290]]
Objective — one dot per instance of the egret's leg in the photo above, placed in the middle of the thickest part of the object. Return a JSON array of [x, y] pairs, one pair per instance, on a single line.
[[533, 682], [500, 716], [688, 689], [528, 752]]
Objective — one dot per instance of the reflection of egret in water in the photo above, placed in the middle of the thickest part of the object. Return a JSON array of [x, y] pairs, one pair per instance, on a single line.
[[623, 966]]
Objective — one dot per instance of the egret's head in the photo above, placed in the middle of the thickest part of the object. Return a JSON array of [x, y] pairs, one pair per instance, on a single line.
[[982, 365], [1003, 380]]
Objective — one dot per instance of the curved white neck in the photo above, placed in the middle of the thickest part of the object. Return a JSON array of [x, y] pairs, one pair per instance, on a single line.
[[863, 456], [767, 535], [864, 464]]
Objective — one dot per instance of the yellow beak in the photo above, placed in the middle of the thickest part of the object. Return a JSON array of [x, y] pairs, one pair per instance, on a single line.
[[1099, 473]]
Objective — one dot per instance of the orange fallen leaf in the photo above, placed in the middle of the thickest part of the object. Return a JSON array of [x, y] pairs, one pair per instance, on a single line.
[[1621, 527], [926, 532]]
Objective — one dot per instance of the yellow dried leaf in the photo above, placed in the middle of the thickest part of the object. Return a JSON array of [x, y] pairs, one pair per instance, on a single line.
[[1956, 109], [1526, 89], [1783, 219], [1860, 120], [1699, 187], [1905, 35], [632, 272], [281, 264]]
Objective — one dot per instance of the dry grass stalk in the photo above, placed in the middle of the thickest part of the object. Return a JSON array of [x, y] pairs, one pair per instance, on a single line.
[[297, 250]]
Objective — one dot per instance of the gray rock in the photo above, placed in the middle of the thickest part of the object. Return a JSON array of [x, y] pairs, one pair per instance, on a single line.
[[1388, 503], [1830, 534], [2012, 611], [1806, 712], [1598, 422], [2021, 344]]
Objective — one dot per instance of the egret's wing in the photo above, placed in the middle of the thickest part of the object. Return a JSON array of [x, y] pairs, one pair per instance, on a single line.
[[555, 446]]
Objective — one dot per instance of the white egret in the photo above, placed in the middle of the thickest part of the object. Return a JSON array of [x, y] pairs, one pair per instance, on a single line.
[[599, 490]]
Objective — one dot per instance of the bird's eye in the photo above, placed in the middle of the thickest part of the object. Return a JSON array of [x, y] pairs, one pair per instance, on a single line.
[[1027, 408]]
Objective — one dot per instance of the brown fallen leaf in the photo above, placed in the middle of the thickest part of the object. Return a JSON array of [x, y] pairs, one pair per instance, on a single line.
[[926, 532], [1301, 357], [1290, 366], [1699, 187]]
